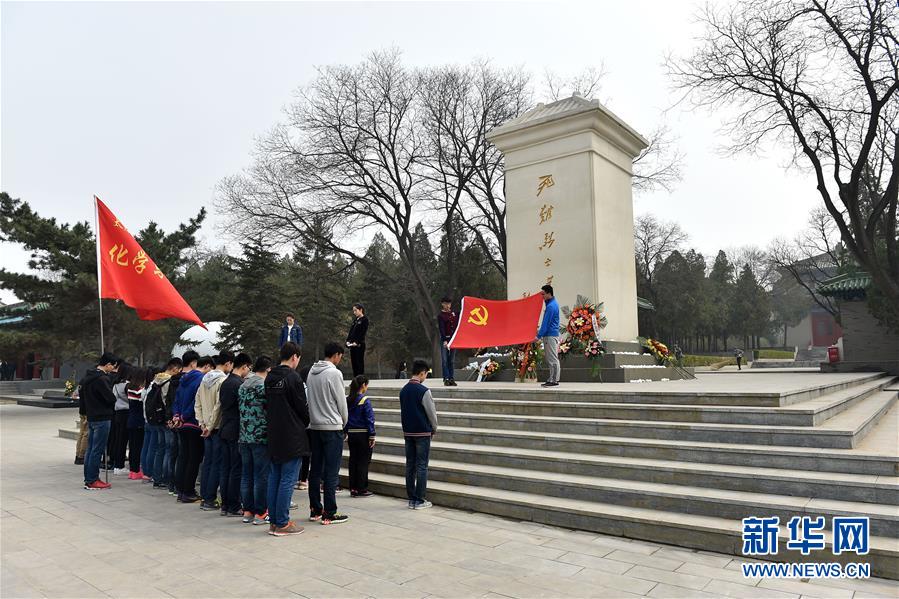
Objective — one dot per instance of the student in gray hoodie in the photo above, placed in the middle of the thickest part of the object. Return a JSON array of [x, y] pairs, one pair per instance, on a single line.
[[327, 418]]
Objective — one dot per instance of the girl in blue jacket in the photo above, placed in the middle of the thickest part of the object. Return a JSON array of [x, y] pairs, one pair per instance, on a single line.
[[360, 430]]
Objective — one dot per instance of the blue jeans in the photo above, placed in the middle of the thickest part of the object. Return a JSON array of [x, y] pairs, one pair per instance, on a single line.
[[417, 452], [447, 357], [152, 433], [281, 480], [327, 449], [168, 459], [212, 465], [229, 476], [98, 434], [255, 465]]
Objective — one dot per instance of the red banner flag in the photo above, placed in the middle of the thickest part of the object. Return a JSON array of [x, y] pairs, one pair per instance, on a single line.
[[127, 273], [485, 323]]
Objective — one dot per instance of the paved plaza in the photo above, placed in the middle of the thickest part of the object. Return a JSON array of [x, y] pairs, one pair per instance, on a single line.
[[58, 540]]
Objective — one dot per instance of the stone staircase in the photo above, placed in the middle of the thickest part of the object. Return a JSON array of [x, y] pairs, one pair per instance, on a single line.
[[37, 393], [663, 466]]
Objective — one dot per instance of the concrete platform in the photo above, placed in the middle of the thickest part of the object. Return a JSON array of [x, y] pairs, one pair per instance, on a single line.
[[57, 541]]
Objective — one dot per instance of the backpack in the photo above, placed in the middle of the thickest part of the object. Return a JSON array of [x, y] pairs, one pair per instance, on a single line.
[[154, 405]]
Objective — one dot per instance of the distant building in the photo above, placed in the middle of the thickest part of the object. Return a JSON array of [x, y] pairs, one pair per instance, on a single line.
[[867, 345]]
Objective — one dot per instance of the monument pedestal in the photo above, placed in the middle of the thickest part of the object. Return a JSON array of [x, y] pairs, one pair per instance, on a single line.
[[569, 208]]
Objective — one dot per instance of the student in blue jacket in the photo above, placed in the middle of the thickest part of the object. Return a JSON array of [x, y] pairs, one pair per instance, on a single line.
[[360, 430]]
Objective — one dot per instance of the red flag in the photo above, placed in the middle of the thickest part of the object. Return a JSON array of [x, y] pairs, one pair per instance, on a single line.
[[127, 273], [485, 323]]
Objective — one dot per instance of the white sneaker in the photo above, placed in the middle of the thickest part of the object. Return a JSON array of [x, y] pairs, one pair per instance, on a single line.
[[120, 471], [423, 505]]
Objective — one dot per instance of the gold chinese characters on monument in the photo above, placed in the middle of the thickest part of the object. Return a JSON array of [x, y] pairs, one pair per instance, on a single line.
[[544, 215]]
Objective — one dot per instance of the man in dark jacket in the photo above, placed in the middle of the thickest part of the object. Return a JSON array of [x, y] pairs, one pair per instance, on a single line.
[[229, 477], [355, 339], [288, 417], [446, 326], [95, 394]]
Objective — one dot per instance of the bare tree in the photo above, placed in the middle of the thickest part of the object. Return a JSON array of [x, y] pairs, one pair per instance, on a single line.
[[814, 256], [821, 77], [658, 165], [586, 83], [756, 259], [348, 159], [654, 241], [459, 106]]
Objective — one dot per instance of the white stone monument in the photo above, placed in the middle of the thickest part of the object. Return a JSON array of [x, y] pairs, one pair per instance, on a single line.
[[569, 207]]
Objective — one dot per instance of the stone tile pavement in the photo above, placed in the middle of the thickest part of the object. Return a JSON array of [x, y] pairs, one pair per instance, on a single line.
[[58, 540]]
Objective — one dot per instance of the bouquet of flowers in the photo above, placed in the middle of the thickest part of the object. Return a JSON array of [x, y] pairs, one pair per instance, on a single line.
[[580, 319], [660, 351], [491, 368], [69, 388], [593, 349], [526, 358], [564, 348]]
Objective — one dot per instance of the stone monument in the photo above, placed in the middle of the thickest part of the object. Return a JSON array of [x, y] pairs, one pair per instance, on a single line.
[[569, 207]]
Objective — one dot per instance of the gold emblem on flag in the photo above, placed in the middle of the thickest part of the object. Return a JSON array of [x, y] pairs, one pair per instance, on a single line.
[[478, 316]]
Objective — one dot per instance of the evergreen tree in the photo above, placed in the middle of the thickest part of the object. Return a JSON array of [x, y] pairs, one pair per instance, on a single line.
[[256, 301], [721, 294]]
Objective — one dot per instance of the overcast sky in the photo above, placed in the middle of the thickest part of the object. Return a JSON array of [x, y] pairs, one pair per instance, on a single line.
[[150, 104]]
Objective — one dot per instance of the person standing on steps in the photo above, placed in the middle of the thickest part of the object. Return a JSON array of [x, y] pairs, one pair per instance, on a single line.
[[419, 420], [360, 435], [95, 394], [447, 321], [355, 339], [291, 331], [549, 334]]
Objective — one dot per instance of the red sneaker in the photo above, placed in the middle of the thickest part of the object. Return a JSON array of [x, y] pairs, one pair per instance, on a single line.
[[97, 484]]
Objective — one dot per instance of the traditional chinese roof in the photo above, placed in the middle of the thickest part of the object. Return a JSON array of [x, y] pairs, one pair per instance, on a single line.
[[644, 304], [852, 285]]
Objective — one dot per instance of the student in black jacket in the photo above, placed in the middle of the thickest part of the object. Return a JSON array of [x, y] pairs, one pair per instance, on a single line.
[[95, 394], [229, 476], [355, 339], [288, 416]]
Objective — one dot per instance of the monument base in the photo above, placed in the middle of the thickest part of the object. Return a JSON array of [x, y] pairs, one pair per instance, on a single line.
[[623, 362]]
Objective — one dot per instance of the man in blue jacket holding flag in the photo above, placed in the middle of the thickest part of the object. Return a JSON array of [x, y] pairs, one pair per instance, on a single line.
[[549, 334]]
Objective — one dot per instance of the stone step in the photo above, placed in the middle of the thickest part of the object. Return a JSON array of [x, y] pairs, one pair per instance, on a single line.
[[683, 530], [694, 392], [809, 413], [773, 456], [842, 431], [674, 498], [866, 488], [68, 433], [46, 402]]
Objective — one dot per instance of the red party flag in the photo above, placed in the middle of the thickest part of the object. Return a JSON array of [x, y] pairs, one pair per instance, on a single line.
[[485, 323], [127, 273]]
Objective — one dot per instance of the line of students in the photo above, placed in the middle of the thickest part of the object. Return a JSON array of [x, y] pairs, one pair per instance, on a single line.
[[245, 428]]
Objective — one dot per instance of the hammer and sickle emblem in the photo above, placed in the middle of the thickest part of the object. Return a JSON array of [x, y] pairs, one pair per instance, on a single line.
[[478, 316]]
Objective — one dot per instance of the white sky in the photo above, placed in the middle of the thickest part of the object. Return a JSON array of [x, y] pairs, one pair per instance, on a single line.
[[149, 105]]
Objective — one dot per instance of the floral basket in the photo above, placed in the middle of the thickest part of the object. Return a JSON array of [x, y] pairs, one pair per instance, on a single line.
[[580, 319], [490, 369], [660, 352], [525, 359]]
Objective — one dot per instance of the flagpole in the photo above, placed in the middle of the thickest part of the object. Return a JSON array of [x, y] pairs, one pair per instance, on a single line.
[[99, 273]]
